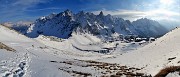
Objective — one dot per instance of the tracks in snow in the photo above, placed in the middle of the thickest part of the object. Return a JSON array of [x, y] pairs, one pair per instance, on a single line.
[[15, 67]]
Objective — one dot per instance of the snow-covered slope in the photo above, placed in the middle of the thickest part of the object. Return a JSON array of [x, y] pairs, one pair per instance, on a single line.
[[155, 56], [31, 59], [46, 57]]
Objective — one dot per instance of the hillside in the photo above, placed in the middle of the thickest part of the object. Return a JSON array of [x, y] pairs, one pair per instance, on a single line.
[[50, 56], [43, 57], [162, 53]]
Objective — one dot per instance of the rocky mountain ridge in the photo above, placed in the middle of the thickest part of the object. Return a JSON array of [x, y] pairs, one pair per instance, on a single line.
[[62, 25]]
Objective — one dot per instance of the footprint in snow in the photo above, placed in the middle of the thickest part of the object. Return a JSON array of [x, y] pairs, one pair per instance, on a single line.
[[16, 67]]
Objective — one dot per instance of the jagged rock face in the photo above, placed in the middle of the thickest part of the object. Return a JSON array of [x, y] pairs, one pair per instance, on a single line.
[[149, 28], [60, 25], [63, 24], [101, 24]]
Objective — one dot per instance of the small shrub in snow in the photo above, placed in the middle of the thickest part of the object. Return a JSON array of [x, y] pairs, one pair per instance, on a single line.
[[3, 46], [115, 76], [172, 58], [164, 72]]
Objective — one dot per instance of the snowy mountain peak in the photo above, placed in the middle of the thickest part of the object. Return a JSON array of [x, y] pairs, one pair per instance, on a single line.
[[82, 12], [101, 13], [68, 12], [149, 28], [109, 15]]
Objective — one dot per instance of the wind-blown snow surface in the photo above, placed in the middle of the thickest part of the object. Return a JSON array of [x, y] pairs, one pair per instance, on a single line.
[[155, 56], [23, 61], [31, 58], [49, 57], [34, 59]]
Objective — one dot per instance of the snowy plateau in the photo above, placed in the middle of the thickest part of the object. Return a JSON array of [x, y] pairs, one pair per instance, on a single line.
[[89, 45]]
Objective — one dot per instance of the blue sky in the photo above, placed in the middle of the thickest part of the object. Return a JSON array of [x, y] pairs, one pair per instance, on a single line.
[[25, 10]]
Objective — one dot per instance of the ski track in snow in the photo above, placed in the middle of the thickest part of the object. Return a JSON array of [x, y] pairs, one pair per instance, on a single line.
[[15, 67]]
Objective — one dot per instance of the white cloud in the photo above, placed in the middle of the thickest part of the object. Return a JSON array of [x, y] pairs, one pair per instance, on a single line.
[[132, 15], [119, 12], [167, 2], [28, 2], [49, 8]]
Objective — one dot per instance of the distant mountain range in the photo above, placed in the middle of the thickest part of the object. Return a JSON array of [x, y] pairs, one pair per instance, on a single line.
[[62, 25], [21, 26]]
